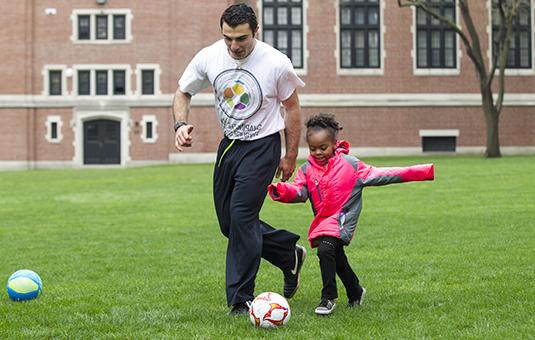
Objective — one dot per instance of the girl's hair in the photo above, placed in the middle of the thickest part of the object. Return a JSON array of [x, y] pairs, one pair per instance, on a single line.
[[323, 121]]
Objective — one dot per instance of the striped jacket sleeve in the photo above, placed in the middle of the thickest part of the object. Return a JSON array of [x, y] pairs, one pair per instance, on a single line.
[[369, 175], [295, 192]]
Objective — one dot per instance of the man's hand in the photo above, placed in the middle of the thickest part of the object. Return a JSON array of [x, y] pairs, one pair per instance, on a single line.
[[286, 168], [183, 137]]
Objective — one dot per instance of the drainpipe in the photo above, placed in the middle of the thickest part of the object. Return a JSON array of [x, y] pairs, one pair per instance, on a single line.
[[31, 150]]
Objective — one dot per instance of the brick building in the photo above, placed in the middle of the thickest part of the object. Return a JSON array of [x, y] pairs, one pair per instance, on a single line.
[[88, 82]]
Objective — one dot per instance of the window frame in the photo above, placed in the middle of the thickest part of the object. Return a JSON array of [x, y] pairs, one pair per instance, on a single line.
[[88, 72], [109, 69], [46, 79], [59, 74], [376, 71], [54, 119], [304, 31], [78, 17], [436, 71], [114, 80], [110, 26], [115, 35], [288, 28], [513, 71], [154, 122], [139, 79], [366, 28], [144, 82]]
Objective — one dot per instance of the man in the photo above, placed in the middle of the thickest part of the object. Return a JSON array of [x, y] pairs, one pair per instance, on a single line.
[[251, 80]]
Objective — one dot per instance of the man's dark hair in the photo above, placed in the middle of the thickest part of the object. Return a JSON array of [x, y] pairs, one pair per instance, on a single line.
[[238, 14], [323, 121]]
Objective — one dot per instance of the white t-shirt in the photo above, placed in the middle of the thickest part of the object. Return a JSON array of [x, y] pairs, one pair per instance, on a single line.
[[248, 92]]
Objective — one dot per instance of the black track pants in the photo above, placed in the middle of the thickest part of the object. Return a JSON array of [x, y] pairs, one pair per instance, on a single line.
[[333, 261], [243, 170]]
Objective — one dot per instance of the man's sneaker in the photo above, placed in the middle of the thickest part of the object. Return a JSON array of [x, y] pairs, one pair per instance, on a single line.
[[240, 308], [325, 307], [293, 277], [358, 301]]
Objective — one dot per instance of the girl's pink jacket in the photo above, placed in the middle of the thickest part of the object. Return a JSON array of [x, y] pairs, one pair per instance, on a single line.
[[335, 190]]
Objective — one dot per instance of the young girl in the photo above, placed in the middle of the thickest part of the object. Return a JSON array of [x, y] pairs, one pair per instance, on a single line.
[[333, 181]]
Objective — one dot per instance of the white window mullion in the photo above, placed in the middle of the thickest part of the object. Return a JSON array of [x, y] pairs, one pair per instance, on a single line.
[[93, 75], [110, 82], [110, 27]]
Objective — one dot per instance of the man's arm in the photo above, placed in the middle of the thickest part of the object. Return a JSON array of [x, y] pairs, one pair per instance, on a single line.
[[181, 106], [292, 133]]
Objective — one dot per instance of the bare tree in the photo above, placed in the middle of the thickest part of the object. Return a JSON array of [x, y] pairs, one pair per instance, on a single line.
[[508, 11]]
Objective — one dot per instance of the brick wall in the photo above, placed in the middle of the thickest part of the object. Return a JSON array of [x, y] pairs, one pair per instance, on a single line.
[[170, 32]]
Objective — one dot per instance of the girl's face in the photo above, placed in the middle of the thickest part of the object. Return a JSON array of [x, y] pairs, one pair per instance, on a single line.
[[321, 145]]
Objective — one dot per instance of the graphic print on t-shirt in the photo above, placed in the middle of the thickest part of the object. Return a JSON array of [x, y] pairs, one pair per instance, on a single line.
[[238, 93]]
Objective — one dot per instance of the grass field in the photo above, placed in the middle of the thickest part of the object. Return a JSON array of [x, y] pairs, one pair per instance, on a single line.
[[137, 253]]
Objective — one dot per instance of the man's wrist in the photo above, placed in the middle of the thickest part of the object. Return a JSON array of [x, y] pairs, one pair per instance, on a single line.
[[179, 123], [291, 154]]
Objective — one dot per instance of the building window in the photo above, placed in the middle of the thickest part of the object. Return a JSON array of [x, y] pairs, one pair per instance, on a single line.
[[84, 83], [148, 130], [53, 129], [520, 54], [149, 124], [283, 27], [119, 82], [84, 27], [102, 26], [55, 86], [439, 144], [360, 42], [439, 140], [119, 27], [102, 82], [147, 80], [436, 42]]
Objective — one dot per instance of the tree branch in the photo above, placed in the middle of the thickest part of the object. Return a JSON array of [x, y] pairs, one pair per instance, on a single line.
[[475, 46], [509, 17]]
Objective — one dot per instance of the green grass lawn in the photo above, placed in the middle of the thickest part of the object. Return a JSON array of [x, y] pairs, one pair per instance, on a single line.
[[137, 253]]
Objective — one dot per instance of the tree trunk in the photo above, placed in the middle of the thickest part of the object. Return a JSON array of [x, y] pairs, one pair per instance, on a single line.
[[492, 120]]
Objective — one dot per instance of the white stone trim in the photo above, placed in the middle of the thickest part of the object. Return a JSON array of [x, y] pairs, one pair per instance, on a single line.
[[77, 124], [435, 71], [46, 79], [92, 68], [360, 71], [209, 157], [303, 153], [305, 100], [439, 133], [144, 121], [157, 74], [59, 125], [93, 13], [510, 71], [191, 157], [299, 71]]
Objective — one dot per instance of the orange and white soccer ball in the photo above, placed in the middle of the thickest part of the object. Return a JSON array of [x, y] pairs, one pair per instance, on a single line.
[[269, 310]]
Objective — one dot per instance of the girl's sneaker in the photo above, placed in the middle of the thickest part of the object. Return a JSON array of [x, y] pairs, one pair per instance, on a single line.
[[325, 307], [358, 301]]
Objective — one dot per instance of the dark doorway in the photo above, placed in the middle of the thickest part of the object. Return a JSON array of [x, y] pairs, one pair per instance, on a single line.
[[102, 142]]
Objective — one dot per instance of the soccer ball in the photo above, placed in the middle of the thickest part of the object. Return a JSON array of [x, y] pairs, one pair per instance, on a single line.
[[24, 285], [269, 310]]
